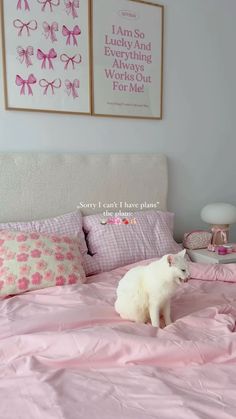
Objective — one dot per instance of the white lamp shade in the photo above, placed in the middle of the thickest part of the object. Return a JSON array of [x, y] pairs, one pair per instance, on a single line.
[[219, 213]]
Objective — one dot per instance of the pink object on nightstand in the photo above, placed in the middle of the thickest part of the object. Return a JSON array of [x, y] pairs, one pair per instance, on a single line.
[[229, 248], [211, 248], [222, 250]]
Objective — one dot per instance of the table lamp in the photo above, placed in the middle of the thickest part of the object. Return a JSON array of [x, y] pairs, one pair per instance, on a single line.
[[220, 215]]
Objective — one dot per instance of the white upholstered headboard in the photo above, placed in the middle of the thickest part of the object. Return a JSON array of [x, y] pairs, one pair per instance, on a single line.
[[39, 185]]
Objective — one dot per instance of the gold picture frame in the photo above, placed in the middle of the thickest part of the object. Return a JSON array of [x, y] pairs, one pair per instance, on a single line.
[[101, 92], [65, 103]]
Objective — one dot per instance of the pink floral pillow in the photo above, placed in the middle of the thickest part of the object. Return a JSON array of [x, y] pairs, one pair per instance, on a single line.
[[30, 261], [69, 224]]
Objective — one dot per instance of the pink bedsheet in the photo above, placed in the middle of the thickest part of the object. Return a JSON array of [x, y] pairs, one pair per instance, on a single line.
[[66, 354]]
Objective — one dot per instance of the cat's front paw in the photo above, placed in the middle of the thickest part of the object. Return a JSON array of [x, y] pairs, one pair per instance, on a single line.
[[168, 322]]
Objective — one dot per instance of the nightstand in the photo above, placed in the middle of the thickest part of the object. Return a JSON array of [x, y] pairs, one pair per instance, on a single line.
[[204, 256]]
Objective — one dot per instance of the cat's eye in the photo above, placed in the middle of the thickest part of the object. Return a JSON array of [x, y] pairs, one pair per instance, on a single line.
[[183, 270]]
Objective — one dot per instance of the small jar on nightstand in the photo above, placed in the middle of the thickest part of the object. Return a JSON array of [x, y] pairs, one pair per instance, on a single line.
[[206, 256]]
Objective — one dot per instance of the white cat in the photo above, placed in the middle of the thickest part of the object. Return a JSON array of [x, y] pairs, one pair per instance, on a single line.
[[144, 292]]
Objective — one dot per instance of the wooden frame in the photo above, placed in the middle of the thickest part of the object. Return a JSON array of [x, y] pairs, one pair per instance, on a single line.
[[69, 91], [91, 66], [98, 81]]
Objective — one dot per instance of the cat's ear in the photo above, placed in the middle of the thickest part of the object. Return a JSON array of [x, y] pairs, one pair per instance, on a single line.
[[170, 260], [182, 253]]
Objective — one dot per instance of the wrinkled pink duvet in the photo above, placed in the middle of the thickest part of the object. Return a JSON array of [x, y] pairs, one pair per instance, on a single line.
[[66, 354]]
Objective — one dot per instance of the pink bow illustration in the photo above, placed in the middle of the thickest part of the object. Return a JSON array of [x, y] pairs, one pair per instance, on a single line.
[[73, 33], [21, 82], [25, 54], [71, 88], [50, 3], [52, 84], [46, 57], [19, 5], [67, 60], [49, 30], [71, 6], [29, 26]]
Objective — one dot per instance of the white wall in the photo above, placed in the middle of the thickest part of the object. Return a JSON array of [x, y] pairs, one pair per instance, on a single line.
[[198, 132]]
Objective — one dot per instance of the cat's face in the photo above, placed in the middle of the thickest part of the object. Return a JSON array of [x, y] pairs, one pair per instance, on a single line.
[[179, 267]]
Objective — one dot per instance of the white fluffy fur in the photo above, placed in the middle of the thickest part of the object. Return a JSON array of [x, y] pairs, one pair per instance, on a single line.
[[145, 291]]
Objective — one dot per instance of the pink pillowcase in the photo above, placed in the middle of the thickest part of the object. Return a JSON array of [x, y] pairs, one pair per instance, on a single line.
[[30, 261], [67, 224], [112, 246]]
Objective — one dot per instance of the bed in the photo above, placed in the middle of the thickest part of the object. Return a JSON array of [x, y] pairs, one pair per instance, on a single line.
[[64, 351]]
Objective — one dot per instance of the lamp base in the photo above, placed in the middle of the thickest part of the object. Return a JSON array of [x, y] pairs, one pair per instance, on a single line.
[[220, 234]]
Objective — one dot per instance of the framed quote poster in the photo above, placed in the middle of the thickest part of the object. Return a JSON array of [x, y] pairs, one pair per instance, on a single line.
[[127, 54], [46, 55]]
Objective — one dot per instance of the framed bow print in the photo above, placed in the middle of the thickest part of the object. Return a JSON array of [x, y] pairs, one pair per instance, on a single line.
[[127, 58], [46, 55]]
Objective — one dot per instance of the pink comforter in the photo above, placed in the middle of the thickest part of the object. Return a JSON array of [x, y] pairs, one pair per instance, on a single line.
[[66, 354]]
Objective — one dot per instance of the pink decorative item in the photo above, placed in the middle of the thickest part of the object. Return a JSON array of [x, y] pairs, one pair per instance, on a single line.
[[197, 239], [221, 250], [25, 54], [30, 270], [220, 234], [71, 88], [71, 34], [32, 42], [47, 57], [71, 6], [67, 60], [28, 26], [229, 248], [19, 5], [21, 82], [211, 248], [50, 3], [52, 84], [49, 30]]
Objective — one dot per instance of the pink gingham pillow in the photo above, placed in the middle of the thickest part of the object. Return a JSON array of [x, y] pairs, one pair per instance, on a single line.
[[29, 261], [112, 246], [69, 224]]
